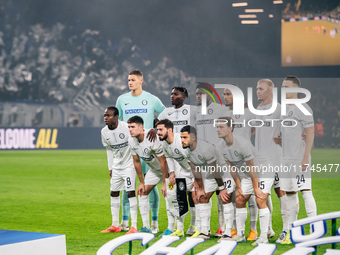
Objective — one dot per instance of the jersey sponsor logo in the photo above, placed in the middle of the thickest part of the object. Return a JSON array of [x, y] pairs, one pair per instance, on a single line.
[[287, 123], [180, 122], [134, 111], [185, 112], [205, 122], [119, 146], [149, 158], [179, 159], [238, 125], [121, 136], [144, 102]]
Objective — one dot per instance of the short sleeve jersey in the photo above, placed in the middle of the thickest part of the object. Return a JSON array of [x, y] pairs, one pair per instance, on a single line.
[[205, 123], [117, 141], [145, 105], [181, 117], [148, 151], [264, 141], [241, 127], [239, 152], [176, 151], [293, 146]]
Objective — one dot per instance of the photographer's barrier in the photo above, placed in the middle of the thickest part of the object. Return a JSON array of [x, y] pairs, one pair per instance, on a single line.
[[304, 244], [31, 243]]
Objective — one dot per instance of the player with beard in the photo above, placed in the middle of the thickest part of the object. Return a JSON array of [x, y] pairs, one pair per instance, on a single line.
[[181, 115], [179, 167]]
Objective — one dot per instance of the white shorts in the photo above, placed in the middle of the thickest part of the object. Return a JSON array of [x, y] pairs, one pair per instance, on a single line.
[[210, 185], [300, 182], [123, 180], [153, 177], [265, 184], [276, 183], [295, 179]]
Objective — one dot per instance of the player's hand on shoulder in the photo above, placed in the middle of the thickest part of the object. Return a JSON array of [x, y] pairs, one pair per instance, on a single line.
[[151, 136]]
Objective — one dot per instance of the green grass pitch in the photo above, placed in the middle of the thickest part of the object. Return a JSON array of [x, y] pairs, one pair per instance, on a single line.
[[67, 192]]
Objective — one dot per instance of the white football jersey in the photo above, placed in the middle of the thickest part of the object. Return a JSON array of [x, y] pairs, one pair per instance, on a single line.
[[181, 117], [175, 151], [205, 123], [241, 127], [241, 151], [293, 146], [264, 141], [148, 151], [204, 154], [116, 143]]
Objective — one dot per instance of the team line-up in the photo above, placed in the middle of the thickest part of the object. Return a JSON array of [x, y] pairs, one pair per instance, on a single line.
[[183, 152]]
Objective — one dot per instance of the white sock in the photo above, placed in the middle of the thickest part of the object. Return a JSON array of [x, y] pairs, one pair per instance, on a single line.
[[180, 223], [221, 224], [193, 216], [133, 211], [171, 218], [198, 217], [234, 221], [144, 209], [270, 207], [264, 221], [241, 217], [283, 207], [228, 218], [154, 223], [310, 204], [205, 211], [253, 212], [115, 205], [292, 208]]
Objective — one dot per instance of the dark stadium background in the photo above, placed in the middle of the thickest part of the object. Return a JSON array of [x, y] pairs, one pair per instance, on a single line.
[[75, 55]]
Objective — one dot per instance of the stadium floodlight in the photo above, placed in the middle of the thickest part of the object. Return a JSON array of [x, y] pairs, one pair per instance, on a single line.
[[277, 2], [239, 4], [253, 10], [247, 16], [245, 22]]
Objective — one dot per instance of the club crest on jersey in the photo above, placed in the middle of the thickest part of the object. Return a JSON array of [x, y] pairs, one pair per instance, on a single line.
[[185, 112], [200, 157], [176, 151], [146, 150], [181, 186], [210, 111], [236, 153], [237, 116], [121, 136], [290, 113], [144, 102]]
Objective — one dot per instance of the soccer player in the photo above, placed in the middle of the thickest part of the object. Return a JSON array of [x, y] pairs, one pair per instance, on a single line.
[[179, 167], [115, 137], [243, 157], [152, 153], [181, 115], [206, 131], [264, 142], [143, 104], [242, 129], [296, 155], [205, 161]]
